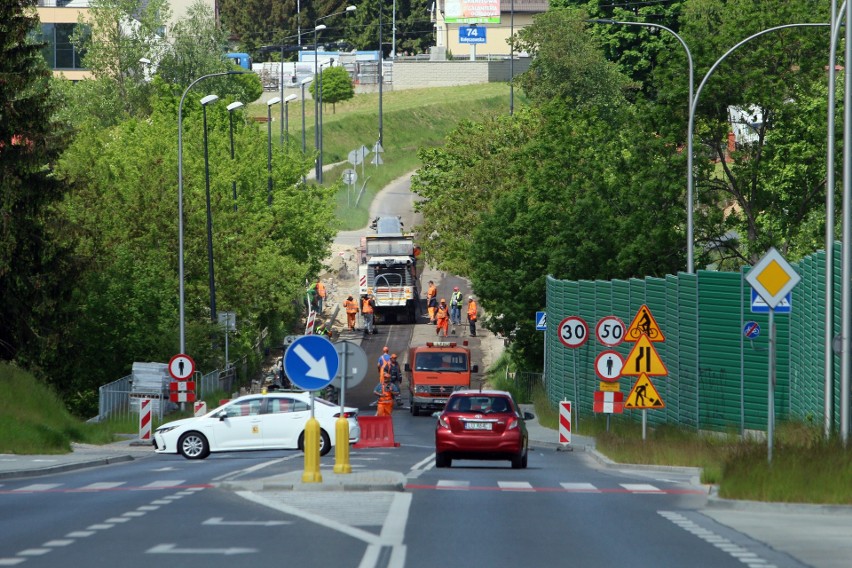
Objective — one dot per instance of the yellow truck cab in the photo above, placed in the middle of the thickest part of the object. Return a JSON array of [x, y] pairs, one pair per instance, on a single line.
[[435, 370]]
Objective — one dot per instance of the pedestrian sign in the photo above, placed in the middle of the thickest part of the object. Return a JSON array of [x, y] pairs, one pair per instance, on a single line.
[[541, 321], [608, 365], [644, 324], [643, 358], [644, 395]]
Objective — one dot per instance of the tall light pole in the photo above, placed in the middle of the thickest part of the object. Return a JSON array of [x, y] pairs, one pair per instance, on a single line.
[[287, 100], [690, 225], [330, 63], [231, 108], [182, 296], [269, 105], [512, 59], [209, 99], [319, 27], [304, 84], [381, 71]]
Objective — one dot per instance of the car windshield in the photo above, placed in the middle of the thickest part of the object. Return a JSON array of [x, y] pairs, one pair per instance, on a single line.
[[452, 362], [482, 404]]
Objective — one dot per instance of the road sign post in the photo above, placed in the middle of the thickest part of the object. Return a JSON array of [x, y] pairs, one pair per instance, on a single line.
[[772, 278], [311, 362]]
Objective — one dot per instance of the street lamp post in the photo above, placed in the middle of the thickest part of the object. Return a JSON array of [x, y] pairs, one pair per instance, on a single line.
[[231, 108], [304, 83], [182, 297], [287, 100], [512, 59], [319, 27], [330, 63], [269, 105], [209, 99], [381, 71]]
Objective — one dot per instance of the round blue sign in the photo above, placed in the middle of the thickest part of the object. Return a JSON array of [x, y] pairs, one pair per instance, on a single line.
[[311, 362], [751, 330]]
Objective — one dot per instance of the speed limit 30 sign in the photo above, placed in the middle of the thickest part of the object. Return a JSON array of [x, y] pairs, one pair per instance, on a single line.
[[610, 331], [573, 332]]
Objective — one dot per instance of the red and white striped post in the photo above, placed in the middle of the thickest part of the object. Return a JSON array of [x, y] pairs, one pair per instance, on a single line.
[[145, 419], [565, 422]]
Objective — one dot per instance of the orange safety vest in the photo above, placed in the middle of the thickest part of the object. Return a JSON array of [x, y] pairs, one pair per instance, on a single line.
[[433, 291], [366, 308], [442, 313], [351, 306], [471, 310]]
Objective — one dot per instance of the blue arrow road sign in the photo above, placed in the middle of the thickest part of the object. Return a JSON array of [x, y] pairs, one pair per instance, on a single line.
[[311, 362], [541, 321]]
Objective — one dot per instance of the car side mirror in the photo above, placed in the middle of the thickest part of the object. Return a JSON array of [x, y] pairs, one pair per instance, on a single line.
[[407, 368], [528, 415], [222, 415], [474, 369]]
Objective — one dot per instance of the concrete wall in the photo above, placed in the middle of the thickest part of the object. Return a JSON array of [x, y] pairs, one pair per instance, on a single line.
[[420, 74]]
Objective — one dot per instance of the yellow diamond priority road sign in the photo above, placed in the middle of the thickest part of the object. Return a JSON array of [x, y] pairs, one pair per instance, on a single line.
[[772, 277]]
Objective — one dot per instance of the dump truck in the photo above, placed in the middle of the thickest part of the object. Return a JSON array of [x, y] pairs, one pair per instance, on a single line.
[[388, 270], [436, 370]]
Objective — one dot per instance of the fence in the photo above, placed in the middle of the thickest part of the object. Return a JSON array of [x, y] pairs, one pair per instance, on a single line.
[[523, 384], [717, 379]]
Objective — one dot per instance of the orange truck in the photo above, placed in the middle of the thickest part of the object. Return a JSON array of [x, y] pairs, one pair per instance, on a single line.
[[435, 370]]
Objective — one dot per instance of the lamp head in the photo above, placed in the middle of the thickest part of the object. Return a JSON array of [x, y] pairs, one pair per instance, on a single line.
[[234, 105], [319, 28], [273, 101], [307, 80], [209, 99], [289, 98], [351, 8], [144, 61]]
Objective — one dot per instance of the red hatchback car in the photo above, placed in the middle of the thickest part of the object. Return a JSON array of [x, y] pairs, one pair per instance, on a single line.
[[481, 425]]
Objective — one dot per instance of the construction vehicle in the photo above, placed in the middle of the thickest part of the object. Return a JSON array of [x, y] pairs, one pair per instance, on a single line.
[[436, 370], [388, 270]]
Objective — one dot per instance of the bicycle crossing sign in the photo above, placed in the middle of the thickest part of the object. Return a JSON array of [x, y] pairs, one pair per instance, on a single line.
[[644, 324], [644, 396], [644, 359]]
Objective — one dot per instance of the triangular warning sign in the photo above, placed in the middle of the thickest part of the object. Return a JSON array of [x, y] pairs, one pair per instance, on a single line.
[[644, 358], [644, 395], [644, 323]]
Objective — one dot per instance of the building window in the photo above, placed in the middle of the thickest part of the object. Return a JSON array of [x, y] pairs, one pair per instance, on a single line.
[[58, 50]]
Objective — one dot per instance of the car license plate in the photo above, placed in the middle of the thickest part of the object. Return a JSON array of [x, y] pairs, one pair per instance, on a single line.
[[477, 425], [439, 401]]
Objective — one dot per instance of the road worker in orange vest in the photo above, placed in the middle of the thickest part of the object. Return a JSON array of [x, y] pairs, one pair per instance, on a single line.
[[351, 307], [471, 315], [432, 301], [442, 318], [320, 295], [367, 313], [386, 391]]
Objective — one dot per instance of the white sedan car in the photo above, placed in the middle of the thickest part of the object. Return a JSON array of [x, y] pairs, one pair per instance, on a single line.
[[274, 421]]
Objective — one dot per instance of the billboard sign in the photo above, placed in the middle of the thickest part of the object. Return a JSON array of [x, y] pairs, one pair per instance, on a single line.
[[472, 11]]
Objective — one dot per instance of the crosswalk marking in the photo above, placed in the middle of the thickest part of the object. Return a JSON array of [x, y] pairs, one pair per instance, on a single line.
[[37, 487], [102, 485], [515, 485], [578, 487], [641, 488], [452, 484], [162, 484]]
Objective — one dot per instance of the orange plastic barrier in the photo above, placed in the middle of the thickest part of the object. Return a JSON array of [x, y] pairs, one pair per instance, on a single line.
[[376, 432]]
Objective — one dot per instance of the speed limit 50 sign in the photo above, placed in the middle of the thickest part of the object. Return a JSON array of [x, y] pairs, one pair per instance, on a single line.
[[610, 331], [573, 332]]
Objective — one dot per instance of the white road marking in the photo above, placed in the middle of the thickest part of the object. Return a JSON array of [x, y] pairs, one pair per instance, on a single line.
[[172, 549], [36, 487], [219, 521], [34, 552], [101, 486], [79, 534], [55, 543], [579, 487], [641, 488], [515, 485], [452, 484], [99, 527], [163, 484], [11, 561]]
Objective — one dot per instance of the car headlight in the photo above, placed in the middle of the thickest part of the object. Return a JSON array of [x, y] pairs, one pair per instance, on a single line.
[[421, 389], [164, 429]]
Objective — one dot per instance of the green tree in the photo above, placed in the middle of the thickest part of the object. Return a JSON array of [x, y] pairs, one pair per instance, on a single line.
[[336, 86], [34, 271], [115, 36]]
